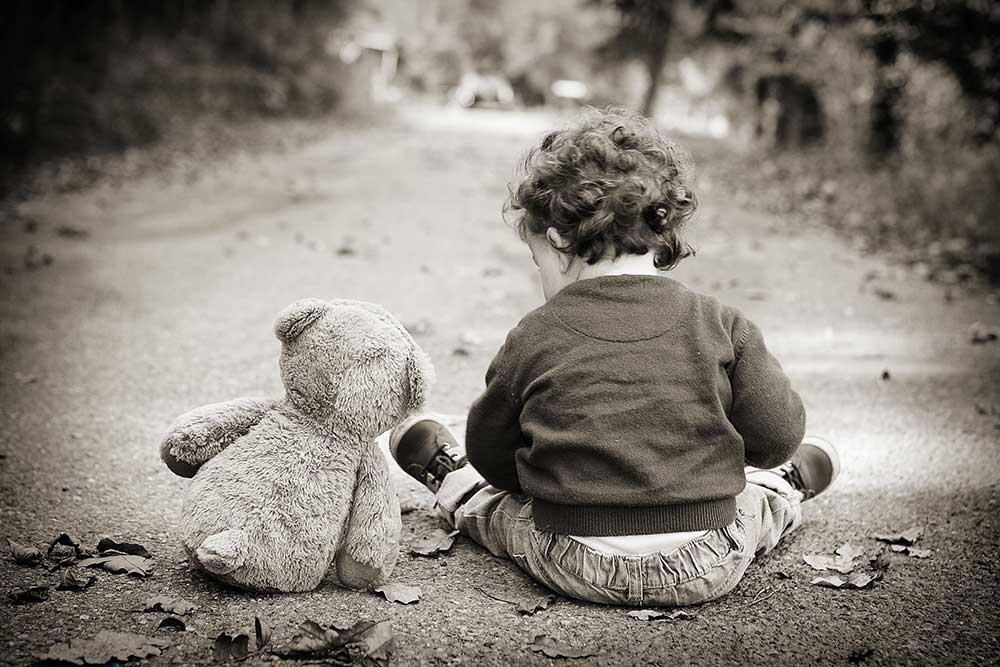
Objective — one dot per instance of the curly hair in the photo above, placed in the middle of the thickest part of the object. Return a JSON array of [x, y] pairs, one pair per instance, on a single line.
[[609, 185]]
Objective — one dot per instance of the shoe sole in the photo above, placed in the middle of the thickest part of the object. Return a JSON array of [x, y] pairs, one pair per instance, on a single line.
[[404, 426], [831, 452]]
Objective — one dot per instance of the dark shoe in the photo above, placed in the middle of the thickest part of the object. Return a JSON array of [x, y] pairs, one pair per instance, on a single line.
[[426, 450], [812, 468]]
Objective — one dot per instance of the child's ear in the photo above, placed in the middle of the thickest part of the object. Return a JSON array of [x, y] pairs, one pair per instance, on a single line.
[[558, 243]]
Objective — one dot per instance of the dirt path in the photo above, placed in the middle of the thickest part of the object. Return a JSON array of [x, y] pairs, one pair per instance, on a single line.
[[167, 304]]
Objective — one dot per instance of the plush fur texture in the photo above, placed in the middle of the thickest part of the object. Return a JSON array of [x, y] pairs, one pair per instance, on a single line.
[[285, 488]]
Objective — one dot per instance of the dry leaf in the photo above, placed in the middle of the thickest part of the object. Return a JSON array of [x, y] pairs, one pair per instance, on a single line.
[[437, 542], [856, 580], [530, 607], [261, 631], [367, 642], [402, 593], [134, 566], [821, 562], [39, 593], [910, 551], [172, 623], [554, 649], [64, 548], [24, 555], [849, 551], [72, 579], [106, 646], [980, 333], [882, 560], [660, 615], [310, 639], [169, 605], [907, 537], [108, 544]]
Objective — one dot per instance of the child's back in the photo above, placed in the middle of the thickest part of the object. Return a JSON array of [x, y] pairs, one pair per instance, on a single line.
[[609, 446]]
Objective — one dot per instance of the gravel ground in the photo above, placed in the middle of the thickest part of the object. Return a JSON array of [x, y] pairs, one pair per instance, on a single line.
[[164, 297]]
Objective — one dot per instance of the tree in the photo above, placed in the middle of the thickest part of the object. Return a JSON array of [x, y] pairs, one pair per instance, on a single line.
[[644, 34]]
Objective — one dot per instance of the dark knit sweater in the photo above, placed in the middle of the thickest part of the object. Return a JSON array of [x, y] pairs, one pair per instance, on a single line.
[[627, 405]]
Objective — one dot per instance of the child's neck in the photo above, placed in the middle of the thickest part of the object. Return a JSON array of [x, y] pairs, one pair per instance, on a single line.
[[635, 265]]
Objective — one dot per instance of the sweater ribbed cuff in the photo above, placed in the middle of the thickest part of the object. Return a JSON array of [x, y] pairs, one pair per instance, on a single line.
[[609, 521]]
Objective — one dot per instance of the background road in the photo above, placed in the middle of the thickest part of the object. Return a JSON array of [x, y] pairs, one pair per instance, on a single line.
[[165, 299]]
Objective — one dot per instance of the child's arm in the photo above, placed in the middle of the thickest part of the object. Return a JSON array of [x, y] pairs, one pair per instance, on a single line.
[[766, 410], [493, 432], [200, 434]]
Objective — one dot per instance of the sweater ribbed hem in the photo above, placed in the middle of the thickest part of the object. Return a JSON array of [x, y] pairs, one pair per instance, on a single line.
[[609, 521]]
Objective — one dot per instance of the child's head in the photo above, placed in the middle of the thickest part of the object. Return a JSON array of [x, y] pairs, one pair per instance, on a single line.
[[606, 186]]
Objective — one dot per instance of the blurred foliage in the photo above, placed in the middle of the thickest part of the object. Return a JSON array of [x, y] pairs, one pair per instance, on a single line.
[[91, 75]]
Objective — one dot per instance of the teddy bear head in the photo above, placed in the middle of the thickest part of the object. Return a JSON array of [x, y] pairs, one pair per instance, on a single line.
[[351, 365]]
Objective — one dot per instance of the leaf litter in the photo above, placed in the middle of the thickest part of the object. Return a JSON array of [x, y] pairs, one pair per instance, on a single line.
[[535, 605], [71, 579], [907, 537], [367, 642], [29, 595], [907, 550], [24, 555], [401, 593], [439, 541], [842, 562], [661, 615], [106, 646], [168, 605], [133, 566], [556, 649], [857, 580]]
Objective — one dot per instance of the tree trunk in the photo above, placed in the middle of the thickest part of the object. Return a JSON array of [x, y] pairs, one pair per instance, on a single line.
[[884, 132], [655, 59]]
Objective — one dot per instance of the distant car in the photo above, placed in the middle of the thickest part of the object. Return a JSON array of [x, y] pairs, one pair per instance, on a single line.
[[483, 90]]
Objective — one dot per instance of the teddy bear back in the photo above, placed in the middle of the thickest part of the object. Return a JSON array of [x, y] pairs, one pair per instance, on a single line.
[[351, 366]]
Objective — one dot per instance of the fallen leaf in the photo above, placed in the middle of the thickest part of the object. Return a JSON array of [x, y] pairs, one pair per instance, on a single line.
[[239, 648], [39, 593], [402, 593], [69, 232], [71, 579], [27, 556], [907, 537], [262, 632], [849, 551], [838, 564], [437, 542], [108, 544], [134, 566], [554, 649], [660, 615], [368, 642], [856, 580], [169, 605], [860, 654], [910, 551], [373, 640], [172, 623], [884, 294], [530, 607], [220, 647], [66, 542], [782, 575], [882, 560], [106, 646], [310, 639], [980, 333]]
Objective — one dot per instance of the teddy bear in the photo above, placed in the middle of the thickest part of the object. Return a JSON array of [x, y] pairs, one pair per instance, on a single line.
[[286, 489]]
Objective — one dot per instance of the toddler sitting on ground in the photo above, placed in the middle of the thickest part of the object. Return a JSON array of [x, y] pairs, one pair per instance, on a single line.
[[607, 454]]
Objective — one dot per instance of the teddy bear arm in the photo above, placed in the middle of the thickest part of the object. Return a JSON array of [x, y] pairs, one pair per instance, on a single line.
[[371, 544], [198, 435]]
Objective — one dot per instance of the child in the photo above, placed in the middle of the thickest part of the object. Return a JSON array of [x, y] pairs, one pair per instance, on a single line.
[[607, 452]]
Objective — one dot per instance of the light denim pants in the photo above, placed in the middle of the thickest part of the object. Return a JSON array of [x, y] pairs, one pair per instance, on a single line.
[[705, 568]]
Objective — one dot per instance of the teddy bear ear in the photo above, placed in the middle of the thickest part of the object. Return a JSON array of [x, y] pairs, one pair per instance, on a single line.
[[420, 373], [296, 318]]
